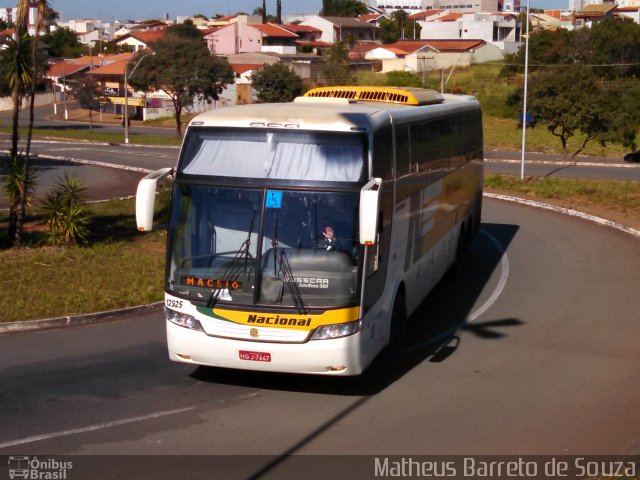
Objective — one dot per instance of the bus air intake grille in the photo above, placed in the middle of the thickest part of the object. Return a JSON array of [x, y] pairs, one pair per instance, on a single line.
[[402, 96]]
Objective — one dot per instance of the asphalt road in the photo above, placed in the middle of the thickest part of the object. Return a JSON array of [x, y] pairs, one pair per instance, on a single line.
[[548, 365]]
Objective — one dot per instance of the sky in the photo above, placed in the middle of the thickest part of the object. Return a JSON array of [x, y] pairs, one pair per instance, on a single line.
[[147, 9]]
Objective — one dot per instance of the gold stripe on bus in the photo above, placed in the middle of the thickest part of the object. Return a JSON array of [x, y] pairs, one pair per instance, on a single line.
[[286, 320]]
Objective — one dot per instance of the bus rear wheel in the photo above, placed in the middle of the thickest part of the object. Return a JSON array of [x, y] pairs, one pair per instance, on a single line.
[[398, 327]]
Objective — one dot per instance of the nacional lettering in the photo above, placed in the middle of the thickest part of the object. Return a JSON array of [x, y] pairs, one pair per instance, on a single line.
[[278, 320], [211, 283]]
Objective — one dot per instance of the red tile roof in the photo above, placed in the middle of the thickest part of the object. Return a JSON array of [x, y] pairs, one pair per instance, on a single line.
[[366, 17], [273, 30], [111, 69], [411, 46], [425, 14], [314, 43], [65, 68], [301, 28], [239, 68], [451, 17]]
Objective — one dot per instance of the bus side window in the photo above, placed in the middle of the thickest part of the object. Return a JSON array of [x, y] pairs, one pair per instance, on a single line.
[[383, 153], [403, 153]]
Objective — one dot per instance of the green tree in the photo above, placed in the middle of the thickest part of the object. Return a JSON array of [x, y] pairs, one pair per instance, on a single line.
[[184, 69], [90, 96], [571, 101], [343, 8], [65, 213], [615, 41], [336, 66], [276, 83], [388, 31], [398, 27], [63, 42], [547, 47], [185, 30]]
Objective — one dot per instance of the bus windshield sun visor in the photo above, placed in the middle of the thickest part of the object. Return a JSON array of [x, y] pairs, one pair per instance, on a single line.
[[282, 155]]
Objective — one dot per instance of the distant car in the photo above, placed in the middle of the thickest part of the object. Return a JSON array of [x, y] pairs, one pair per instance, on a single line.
[[632, 157]]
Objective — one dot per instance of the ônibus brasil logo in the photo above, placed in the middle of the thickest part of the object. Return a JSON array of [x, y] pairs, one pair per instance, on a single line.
[[33, 468]]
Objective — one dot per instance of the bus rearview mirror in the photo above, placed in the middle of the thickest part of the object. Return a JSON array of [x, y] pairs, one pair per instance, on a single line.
[[146, 198], [369, 198]]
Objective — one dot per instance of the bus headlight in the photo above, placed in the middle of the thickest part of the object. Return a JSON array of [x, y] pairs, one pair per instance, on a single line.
[[182, 320], [335, 331]]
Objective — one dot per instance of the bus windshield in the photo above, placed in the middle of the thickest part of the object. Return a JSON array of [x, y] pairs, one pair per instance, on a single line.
[[270, 247], [286, 154]]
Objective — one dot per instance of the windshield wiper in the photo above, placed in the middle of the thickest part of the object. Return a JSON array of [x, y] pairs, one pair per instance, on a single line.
[[281, 265], [234, 270]]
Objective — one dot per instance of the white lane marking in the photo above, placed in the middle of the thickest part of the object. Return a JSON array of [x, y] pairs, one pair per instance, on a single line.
[[91, 428], [504, 276]]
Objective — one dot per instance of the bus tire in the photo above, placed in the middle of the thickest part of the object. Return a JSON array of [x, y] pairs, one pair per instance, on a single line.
[[398, 324], [461, 247]]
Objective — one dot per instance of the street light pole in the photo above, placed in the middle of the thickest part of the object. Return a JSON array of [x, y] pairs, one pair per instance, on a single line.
[[524, 107], [126, 95], [125, 116]]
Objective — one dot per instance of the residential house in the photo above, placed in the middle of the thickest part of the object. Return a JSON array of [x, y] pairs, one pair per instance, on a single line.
[[234, 38], [308, 37], [276, 39], [421, 56], [341, 29], [594, 14], [632, 13], [240, 36], [110, 76], [140, 40], [500, 29], [90, 38], [372, 18]]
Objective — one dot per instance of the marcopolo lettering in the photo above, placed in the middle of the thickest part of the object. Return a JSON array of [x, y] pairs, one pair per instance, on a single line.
[[278, 320]]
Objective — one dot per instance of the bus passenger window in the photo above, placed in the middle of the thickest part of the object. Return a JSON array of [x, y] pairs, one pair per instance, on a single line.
[[383, 153], [403, 152]]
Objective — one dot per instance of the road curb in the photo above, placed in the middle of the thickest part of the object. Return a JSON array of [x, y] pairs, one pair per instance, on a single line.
[[75, 320], [565, 211]]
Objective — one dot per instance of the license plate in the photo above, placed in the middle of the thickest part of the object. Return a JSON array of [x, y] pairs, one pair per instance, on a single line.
[[255, 356]]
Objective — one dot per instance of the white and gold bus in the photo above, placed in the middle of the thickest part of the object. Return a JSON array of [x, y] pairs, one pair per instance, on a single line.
[[302, 235]]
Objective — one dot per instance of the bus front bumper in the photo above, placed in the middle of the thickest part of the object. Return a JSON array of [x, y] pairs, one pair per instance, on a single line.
[[339, 356]]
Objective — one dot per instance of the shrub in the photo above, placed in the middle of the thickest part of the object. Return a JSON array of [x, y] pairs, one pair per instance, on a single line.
[[65, 213]]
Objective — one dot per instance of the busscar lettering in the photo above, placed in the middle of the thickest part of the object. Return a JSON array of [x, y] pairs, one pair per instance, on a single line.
[[211, 283], [310, 282], [278, 320]]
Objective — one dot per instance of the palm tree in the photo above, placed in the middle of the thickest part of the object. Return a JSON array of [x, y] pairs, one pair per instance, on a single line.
[[43, 9], [18, 82]]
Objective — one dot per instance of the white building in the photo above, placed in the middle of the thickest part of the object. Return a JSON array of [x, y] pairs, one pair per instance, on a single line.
[[415, 6], [499, 29], [341, 28], [8, 14]]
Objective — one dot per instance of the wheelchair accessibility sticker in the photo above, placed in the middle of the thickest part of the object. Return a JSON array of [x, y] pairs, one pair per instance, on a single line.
[[273, 199]]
